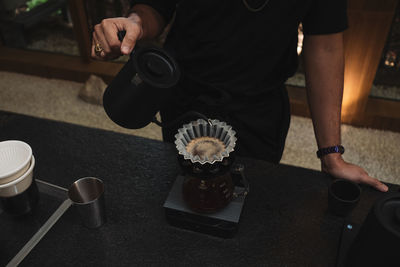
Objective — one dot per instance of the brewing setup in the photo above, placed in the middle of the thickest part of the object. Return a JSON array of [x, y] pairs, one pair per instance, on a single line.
[[204, 197], [209, 194]]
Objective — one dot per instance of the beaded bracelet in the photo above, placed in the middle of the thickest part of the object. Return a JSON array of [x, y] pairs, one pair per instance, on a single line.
[[328, 150]]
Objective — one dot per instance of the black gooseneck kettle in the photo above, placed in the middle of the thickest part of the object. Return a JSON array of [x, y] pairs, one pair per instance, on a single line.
[[142, 86]]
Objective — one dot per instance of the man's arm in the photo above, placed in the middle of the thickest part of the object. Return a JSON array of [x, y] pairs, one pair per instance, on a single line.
[[324, 66], [143, 23]]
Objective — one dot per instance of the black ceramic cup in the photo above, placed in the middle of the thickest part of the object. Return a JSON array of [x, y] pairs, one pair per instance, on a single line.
[[343, 196]]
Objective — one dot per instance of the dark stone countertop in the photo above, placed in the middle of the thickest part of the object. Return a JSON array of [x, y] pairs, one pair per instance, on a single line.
[[284, 221]]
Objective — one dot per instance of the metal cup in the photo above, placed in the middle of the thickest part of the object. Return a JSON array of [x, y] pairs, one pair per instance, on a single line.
[[87, 195]]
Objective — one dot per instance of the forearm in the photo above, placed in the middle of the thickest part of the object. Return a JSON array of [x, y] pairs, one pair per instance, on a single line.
[[152, 22], [324, 66]]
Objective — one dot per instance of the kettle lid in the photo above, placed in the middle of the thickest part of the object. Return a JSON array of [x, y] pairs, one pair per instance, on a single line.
[[156, 67]]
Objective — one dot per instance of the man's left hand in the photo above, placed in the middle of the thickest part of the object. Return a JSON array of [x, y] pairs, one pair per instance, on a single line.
[[338, 168]]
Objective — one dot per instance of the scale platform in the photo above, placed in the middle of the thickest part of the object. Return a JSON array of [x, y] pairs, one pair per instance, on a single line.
[[223, 223]]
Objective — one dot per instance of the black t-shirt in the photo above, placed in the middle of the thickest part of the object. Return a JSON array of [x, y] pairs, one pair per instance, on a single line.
[[221, 43]]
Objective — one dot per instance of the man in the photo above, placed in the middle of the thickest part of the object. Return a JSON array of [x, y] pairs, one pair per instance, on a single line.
[[236, 56]]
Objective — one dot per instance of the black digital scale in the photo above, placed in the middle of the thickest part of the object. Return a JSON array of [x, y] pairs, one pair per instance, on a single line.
[[223, 223]]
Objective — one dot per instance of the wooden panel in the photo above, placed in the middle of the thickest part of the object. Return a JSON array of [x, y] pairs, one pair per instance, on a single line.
[[379, 122], [364, 43], [55, 65], [381, 114], [372, 5], [298, 101], [383, 108], [81, 28]]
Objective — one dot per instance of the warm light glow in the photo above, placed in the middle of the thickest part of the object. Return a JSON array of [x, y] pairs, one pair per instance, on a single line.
[[300, 38], [350, 89]]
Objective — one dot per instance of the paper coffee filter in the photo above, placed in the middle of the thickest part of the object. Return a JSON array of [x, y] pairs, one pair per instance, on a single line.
[[15, 157], [202, 128]]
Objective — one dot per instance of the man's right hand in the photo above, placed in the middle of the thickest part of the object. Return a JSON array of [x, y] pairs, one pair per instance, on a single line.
[[105, 43]]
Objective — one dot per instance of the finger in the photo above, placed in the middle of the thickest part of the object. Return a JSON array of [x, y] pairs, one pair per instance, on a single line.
[[133, 32], [92, 53], [374, 183], [110, 31], [95, 54], [99, 36]]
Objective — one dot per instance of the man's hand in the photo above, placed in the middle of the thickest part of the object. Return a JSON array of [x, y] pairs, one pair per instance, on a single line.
[[144, 23], [338, 168], [105, 43]]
